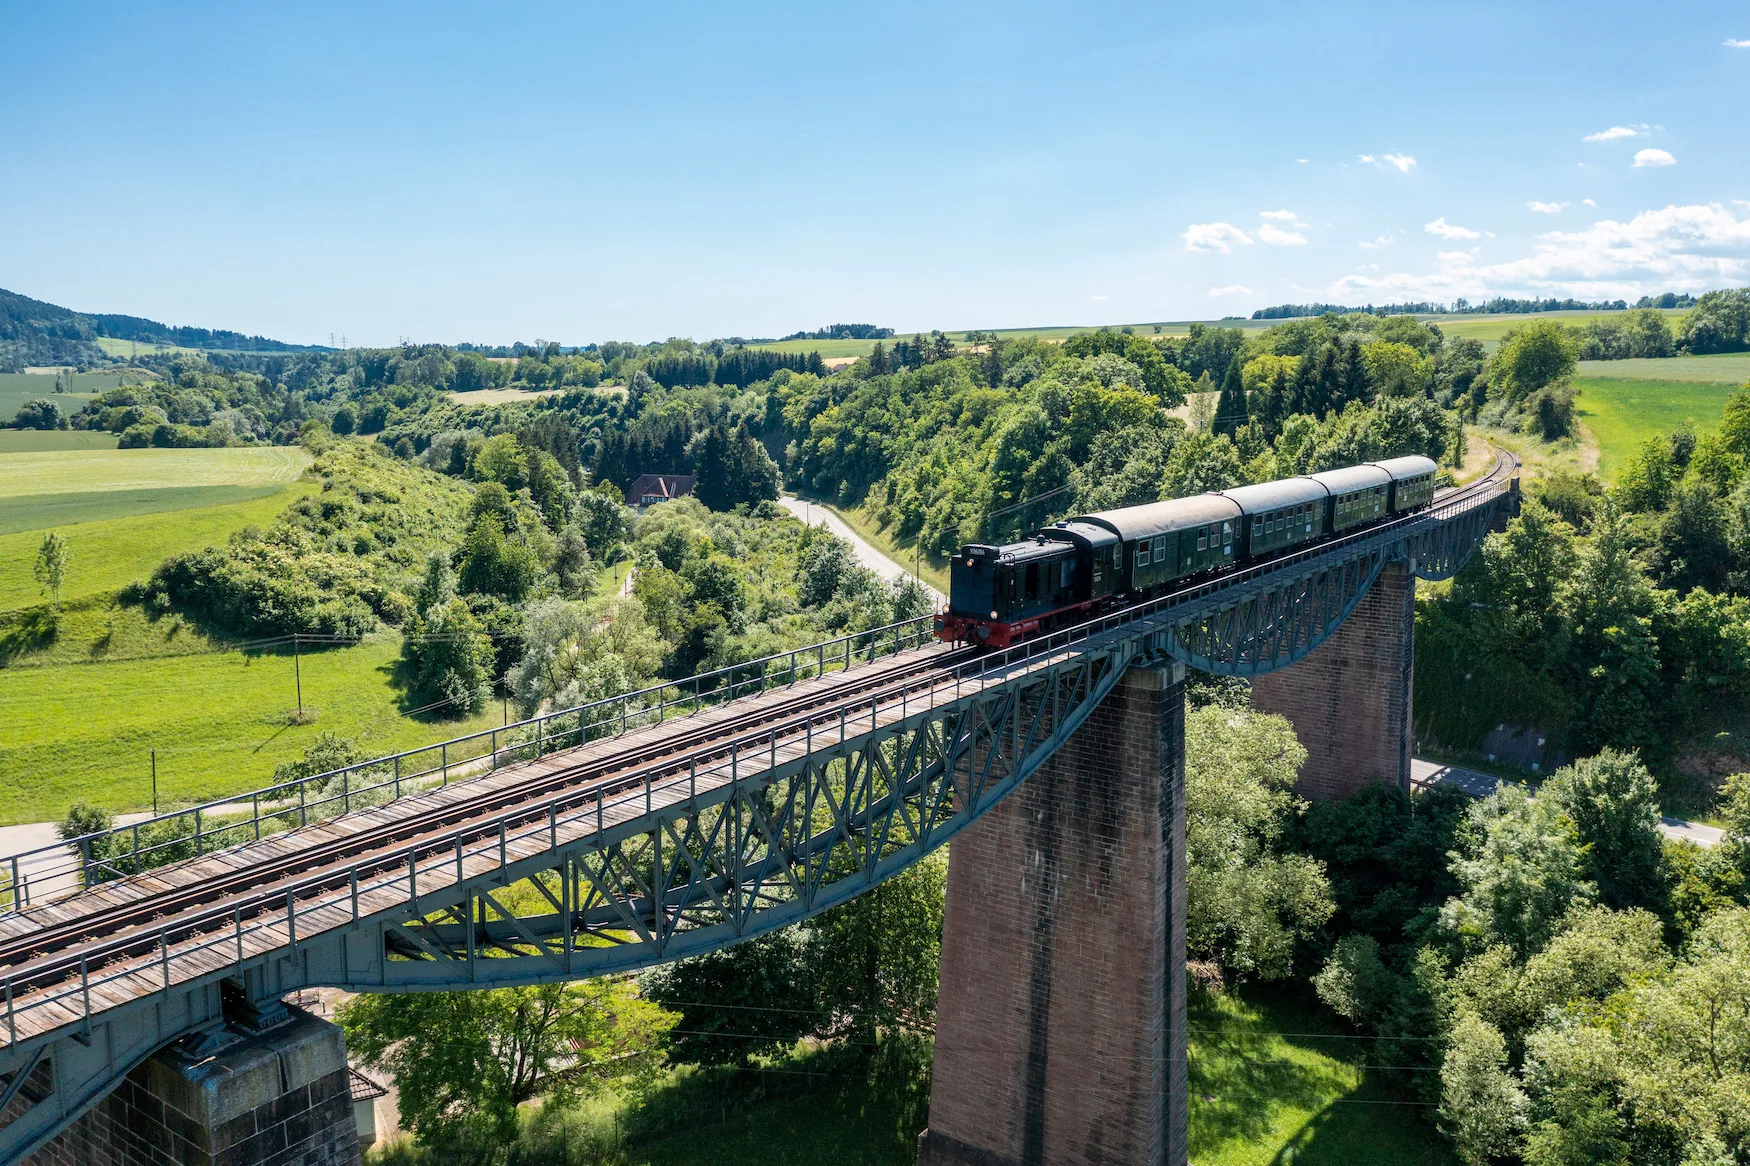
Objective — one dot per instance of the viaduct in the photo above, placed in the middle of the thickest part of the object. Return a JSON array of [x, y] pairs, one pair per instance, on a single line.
[[143, 968]]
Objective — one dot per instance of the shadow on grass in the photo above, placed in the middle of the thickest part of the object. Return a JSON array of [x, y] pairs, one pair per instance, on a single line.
[[27, 630], [1274, 1078]]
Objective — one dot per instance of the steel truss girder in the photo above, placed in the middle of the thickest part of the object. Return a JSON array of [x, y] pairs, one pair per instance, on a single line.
[[772, 847]]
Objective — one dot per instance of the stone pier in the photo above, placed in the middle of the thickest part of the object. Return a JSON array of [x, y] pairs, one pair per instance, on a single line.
[[1349, 700], [1060, 1031], [278, 1098]]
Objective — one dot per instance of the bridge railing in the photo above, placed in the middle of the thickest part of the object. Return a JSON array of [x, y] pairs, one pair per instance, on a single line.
[[52, 870], [225, 931], [48, 871]]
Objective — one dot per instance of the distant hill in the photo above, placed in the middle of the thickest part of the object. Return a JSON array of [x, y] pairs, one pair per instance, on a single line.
[[36, 333]]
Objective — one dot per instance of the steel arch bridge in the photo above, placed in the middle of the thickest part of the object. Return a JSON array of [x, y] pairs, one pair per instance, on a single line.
[[607, 838]]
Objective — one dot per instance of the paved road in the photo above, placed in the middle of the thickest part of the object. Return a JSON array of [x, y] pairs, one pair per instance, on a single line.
[[1481, 785], [866, 553]]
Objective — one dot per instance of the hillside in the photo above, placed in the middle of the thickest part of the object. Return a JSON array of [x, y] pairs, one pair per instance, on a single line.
[[34, 333]]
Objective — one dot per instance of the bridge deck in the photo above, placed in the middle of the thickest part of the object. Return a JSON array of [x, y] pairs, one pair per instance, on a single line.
[[250, 924]]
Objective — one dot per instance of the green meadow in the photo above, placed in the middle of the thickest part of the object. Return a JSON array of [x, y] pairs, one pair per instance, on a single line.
[[1725, 368], [110, 553], [1620, 414], [1276, 1079], [42, 511], [91, 470], [41, 440], [220, 721]]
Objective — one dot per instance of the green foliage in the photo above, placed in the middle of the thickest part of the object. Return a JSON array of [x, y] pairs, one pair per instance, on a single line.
[[1247, 902], [451, 660], [464, 1061], [1521, 867], [52, 558], [336, 563], [1482, 1108], [732, 469], [40, 413], [1614, 804], [1532, 358]]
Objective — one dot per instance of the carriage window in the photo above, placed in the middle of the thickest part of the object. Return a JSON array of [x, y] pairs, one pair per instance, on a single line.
[[1142, 553], [1203, 538], [1258, 528], [1160, 548], [1227, 532]]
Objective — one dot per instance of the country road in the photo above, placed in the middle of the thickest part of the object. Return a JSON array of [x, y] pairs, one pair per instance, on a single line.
[[866, 553], [1481, 785]]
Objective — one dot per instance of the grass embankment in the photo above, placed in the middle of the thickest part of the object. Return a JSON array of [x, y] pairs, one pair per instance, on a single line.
[[1276, 1079]]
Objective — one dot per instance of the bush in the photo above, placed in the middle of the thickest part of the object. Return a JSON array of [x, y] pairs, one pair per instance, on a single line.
[[40, 414]]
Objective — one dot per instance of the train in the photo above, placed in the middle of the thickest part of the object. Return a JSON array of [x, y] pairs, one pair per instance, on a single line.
[[1076, 569]]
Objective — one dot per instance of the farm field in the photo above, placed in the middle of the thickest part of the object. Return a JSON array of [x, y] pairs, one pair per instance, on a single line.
[[500, 396], [1490, 328], [42, 511], [41, 440], [1620, 414], [220, 722], [18, 388], [86, 471], [111, 553], [1725, 368], [125, 349]]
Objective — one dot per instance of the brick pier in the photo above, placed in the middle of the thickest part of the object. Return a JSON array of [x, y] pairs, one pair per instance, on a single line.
[[1349, 700], [282, 1098], [1060, 1031]]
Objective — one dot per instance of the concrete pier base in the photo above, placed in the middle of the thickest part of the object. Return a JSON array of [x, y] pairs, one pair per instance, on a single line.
[[280, 1098], [1060, 1030]]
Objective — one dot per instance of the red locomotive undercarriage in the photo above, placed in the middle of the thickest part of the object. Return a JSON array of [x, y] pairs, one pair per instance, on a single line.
[[992, 633]]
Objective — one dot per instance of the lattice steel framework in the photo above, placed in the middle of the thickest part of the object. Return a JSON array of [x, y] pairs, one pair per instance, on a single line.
[[751, 835]]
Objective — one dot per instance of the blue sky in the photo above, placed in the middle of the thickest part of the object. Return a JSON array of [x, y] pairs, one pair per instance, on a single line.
[[581, 173]]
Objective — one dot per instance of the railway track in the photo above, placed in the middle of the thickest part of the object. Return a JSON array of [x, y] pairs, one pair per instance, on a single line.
[[56, 949], [61, 945]]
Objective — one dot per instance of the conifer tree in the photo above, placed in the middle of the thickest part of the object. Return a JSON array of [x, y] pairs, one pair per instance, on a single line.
[[1230, 407]]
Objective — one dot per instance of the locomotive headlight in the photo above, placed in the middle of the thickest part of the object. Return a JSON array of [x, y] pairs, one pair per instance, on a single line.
[[993, 615]]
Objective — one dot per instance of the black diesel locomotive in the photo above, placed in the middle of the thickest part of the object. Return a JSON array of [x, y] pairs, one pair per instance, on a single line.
[[1081, 566]]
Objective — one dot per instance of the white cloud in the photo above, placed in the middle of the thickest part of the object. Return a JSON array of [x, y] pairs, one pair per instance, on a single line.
[[1232, 289], [1448, 230], [1613, 133], [1282, 217], [1097, 299], [1402, 161], [1654, 158], [1215, 237], [1376, 242], [1587, 202], [1548, 208], [1277, 237], [1368, 158], [1735, 43], [1703, 245], [1302, 161]]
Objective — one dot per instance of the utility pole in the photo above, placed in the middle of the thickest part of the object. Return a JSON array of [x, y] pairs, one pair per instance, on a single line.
[[154, 783], [298, 675]]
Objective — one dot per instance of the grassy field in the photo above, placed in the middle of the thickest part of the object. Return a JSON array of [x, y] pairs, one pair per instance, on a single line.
[[1274, 1080], [1728, 368], [42, 511], [109, 554], [127, 349], [220, 723], [14, 394], [1490, 328], [87, 471], [1620, 414], [41, 440]]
